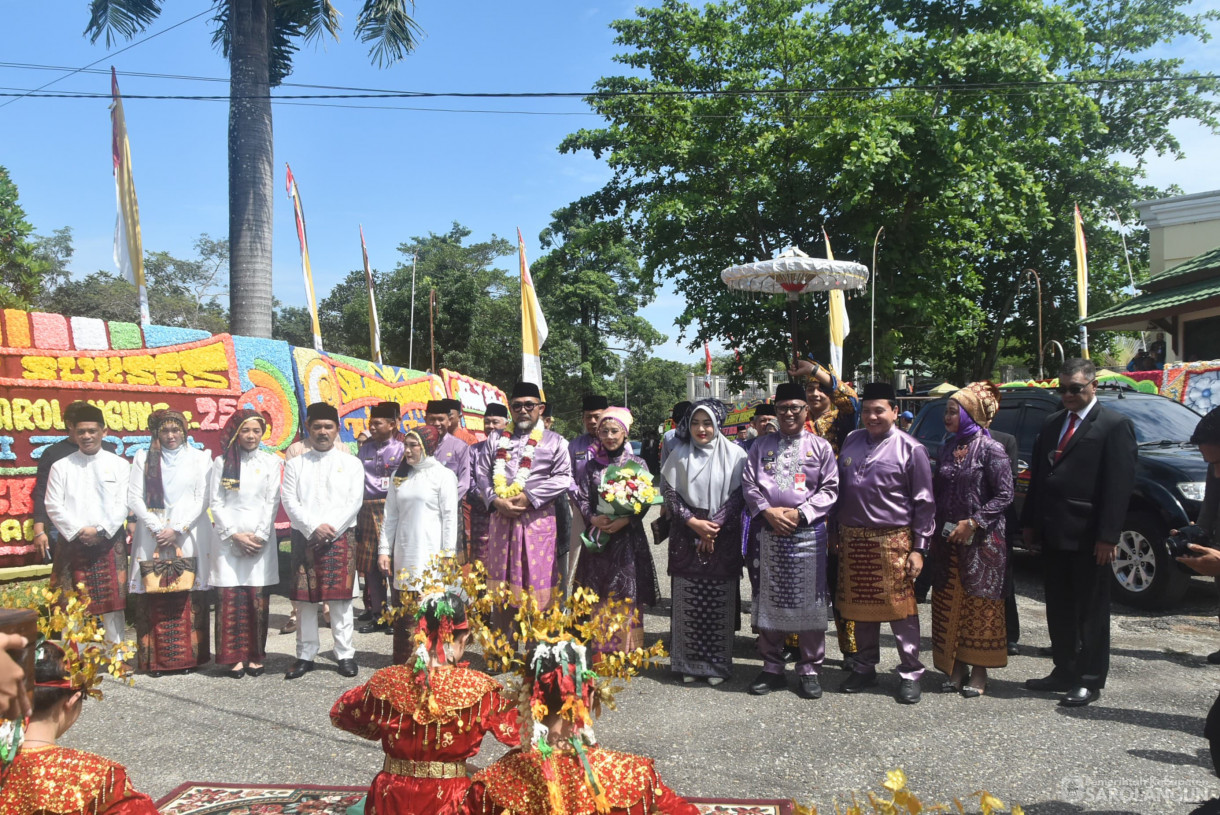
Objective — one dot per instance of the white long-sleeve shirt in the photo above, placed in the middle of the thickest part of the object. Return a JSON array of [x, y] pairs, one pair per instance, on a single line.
[[323, 488], [250, 508], [184, 477], [84, 491], [421, 518]]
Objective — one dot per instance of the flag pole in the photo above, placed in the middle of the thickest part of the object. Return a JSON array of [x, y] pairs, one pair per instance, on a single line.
[[432, 327], [374, 323], [1082, 281], [411, 343], [128, 246], [872, 317]]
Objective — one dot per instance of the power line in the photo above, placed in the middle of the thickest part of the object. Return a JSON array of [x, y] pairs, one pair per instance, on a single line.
[[34, 91], [650, 93]]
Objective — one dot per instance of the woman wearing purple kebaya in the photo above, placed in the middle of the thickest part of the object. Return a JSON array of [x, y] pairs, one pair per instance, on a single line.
[[973, 488]]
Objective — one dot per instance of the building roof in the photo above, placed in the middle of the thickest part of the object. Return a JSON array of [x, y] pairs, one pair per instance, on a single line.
[[1206, 265], [1134, 314]]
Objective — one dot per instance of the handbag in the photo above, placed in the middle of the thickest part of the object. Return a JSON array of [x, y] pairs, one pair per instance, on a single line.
[[660, 529], [170, 574]]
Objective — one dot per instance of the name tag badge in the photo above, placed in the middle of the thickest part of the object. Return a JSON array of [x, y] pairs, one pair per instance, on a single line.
[[383, 483], [108, 477], [798, 482]]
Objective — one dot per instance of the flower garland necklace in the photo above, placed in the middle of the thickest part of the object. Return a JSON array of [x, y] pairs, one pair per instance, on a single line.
[[499, 478]]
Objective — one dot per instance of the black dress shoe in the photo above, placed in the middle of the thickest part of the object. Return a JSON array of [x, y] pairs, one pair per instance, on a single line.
[[809, 687], [299, 669], [1049, 684], [1013, 650], [156, 674], [256, 671], [1214, 658], [766, 682], [347, 667], [369, 628], [366, 616], [857, 682], [908, 692], [1079, 697], [236, 673]]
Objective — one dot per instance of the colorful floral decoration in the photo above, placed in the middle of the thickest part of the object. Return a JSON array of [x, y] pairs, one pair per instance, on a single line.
[[50, 331], [499, 477], [89, 334], [125, 335]]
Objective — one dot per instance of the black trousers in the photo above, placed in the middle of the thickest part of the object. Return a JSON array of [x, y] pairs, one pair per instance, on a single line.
[[1078, 615]]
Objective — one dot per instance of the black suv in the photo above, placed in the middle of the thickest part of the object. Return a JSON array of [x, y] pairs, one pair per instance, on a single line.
[[1169, 477]]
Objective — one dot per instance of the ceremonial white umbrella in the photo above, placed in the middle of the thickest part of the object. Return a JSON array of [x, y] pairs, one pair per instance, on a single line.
[[794, 273]]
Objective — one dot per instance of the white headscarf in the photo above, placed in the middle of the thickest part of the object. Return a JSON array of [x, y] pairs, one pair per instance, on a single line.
[[705, 475]]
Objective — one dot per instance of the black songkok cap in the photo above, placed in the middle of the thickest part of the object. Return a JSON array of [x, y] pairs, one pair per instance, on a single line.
[[452, 405], [84, 412], [495, 409], [1207, 431], [321, 411], [593, 401], [437, 406], [385, 410], [546, 410], [765, 409], [879, 390], [788, 391], [679, 412], [526, 390]]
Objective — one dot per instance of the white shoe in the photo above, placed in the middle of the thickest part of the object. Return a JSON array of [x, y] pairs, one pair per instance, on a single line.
[[715, 680], [687, 679]]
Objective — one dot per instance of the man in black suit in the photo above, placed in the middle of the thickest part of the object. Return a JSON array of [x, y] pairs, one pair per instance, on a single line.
[[1012, 622], [1081, 477]]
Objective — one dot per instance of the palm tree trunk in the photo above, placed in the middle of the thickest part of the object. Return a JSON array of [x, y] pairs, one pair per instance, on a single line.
[[251, 171]]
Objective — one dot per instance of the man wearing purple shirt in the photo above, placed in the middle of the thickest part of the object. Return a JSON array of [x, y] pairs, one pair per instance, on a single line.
[[886, 517], [495, 419], [452, 451], [380, 454], [521, 534], [580, 450], [790, 483]]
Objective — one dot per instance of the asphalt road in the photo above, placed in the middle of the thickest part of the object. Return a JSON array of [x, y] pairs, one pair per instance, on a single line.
[[1139, 749]]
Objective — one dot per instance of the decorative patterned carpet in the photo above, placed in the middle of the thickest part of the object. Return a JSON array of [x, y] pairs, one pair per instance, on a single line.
[[196, 798]]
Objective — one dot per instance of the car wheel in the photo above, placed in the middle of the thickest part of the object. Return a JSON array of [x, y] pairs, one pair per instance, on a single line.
[[1144, 574]]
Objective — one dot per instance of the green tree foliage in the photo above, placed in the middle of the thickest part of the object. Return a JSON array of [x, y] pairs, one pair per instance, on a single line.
[[590, 287], [187, 293], [21, 267], [966, 130], [653, 387]]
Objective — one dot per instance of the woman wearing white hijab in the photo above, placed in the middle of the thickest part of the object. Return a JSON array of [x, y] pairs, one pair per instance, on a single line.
[[702, 479]]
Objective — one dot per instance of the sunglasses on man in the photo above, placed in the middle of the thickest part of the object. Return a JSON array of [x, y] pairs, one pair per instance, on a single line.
[[1074, 388]]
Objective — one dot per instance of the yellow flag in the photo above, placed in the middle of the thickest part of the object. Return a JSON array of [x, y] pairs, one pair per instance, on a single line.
[[533, 324], [128, 246], [1082, 282], [299, 211], [839, 326]]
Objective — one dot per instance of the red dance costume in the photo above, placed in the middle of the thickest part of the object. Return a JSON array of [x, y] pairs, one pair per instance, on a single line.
[[516, 785], [60, 781], [427, 736]]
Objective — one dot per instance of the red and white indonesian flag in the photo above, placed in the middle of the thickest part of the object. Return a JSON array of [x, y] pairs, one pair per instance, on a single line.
[[533, 324], [839, 326], [707, 356], [299, 211], [374, 323], [128, 248], [1082, 282]]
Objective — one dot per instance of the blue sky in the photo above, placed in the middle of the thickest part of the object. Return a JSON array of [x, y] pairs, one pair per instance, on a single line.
[[398, 172]]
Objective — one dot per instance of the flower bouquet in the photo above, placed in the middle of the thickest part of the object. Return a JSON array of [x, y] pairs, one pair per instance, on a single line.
[[625, 491]]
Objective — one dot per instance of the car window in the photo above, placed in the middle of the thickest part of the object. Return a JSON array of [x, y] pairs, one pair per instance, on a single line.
[[1157, 418], [1031, 422], [1007, 420], [931, 427]]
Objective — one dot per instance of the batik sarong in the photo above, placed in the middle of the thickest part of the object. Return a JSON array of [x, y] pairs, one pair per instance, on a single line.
[[703, 619], [324, 571], [965, 628], [242, 614], [873, 582], [792, 594], [368, 533], [521, 552], [404, 630], [102, 568], [479, 522], [172, 631]]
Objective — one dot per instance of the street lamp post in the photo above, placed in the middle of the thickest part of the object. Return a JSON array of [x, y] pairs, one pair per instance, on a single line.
[[623, 363], [1038, 284]]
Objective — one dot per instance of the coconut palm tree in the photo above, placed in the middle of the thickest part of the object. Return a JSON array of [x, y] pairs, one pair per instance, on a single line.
[[259, 38]]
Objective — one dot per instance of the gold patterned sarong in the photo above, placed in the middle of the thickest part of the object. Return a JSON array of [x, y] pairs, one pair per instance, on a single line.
[[873, 583], [964, 628]]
